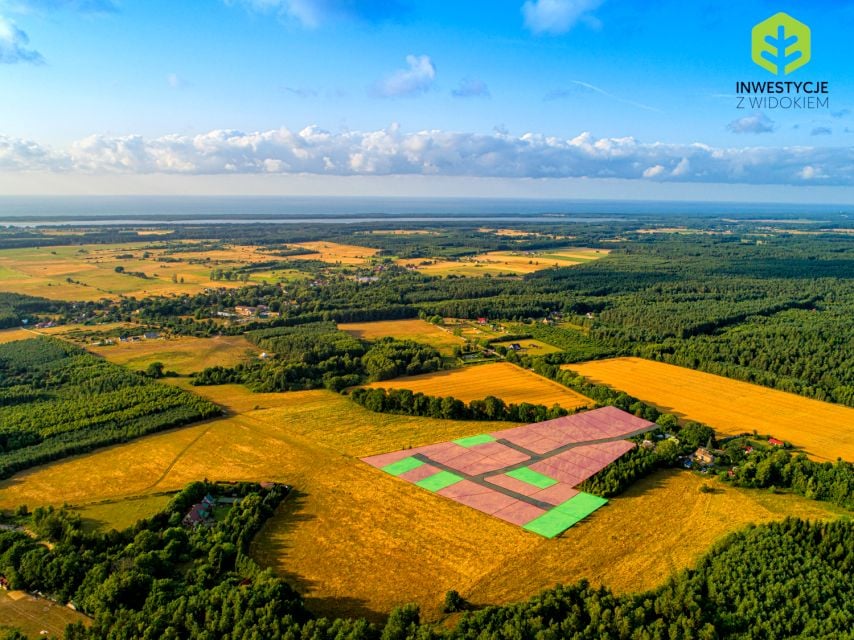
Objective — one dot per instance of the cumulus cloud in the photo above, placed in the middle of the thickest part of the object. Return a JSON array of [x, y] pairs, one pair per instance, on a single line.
[[558, 16], [314, 13], [14, 45], [433, 152], [471, 88], [757, 123], [417, 78]]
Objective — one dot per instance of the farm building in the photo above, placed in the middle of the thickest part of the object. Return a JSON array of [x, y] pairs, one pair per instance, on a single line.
[[776, 443], [704, 455]]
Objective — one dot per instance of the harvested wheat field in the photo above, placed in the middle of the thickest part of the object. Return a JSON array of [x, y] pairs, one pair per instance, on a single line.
[[415, 329], [184, 354], [88, 272], [32, 616], [821, 429], [503, 380], [334, 253], [508, 262], [356, 541], [11, 335]]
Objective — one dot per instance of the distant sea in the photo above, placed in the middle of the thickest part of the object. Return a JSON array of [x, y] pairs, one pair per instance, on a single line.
[[104, 210]]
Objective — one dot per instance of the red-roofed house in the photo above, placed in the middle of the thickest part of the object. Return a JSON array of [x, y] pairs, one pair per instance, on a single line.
[[775, 443]]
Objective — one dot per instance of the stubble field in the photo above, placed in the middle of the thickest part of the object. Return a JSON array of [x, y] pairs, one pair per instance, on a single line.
[[500, 379], [821, 429], [414, 329]]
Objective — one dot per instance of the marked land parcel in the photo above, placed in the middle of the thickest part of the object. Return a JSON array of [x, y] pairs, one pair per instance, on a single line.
[[524, 475]]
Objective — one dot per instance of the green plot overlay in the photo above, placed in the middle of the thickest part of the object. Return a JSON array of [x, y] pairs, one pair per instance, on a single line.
[[473, 441], [532, 477], [402, 466], [439, 481], [563, 516]]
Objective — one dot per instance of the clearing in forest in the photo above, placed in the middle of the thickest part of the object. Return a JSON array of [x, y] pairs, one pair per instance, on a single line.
[[503, 380], [529, 347], [183, 354], [823, 430], [507, 262], [334, 253], [413, 329]]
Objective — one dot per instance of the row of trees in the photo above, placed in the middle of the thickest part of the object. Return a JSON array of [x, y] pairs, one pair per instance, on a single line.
[[405, 402]]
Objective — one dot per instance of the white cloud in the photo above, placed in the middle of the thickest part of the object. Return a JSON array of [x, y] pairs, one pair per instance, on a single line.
[[758, 123], [557, 16], [13, 45], [471, 88], [417, 78], [386, 152]]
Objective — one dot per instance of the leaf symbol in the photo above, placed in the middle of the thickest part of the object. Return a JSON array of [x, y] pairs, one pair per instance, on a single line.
[[781, 44]]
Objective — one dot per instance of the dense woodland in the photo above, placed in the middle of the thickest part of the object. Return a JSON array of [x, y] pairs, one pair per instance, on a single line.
[[57, 400], [161, 580], [318, 355]]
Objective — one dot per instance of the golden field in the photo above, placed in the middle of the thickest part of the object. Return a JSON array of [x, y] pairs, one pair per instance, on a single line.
[[507, 262], [87, 272], [31, 615], [415, 329], [123, 513], [334, 253], [356, 541], [500, 379], [183, 354], [821, 429], [11, 335]]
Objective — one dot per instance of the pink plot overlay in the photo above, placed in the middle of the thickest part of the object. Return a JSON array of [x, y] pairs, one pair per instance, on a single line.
[[528, 475]]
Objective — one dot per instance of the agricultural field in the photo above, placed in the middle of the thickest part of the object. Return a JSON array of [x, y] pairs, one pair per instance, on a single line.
[[88, 272], [338, 541], [34, 616], [418, 330], [183, 355], [507, 262], [529, 347], [503, 380], [11, 335], [823, 430], [335, 253], [123, 513]]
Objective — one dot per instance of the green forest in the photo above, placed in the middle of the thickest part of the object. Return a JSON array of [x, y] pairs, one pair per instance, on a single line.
[[57, 400]]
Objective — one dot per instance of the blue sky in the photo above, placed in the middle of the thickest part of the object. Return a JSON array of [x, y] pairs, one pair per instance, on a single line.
[[559, 97]]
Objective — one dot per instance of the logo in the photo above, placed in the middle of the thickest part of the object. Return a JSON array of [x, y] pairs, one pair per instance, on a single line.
[[781, 44]]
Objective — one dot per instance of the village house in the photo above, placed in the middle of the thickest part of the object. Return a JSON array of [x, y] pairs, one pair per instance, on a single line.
[[245, 311], [776, 443], [704, 456]]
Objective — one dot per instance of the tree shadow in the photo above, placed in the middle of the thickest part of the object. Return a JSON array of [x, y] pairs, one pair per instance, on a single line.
[[272, 543]]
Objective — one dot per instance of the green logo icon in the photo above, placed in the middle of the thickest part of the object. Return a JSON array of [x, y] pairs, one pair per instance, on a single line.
[[781, 44]]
